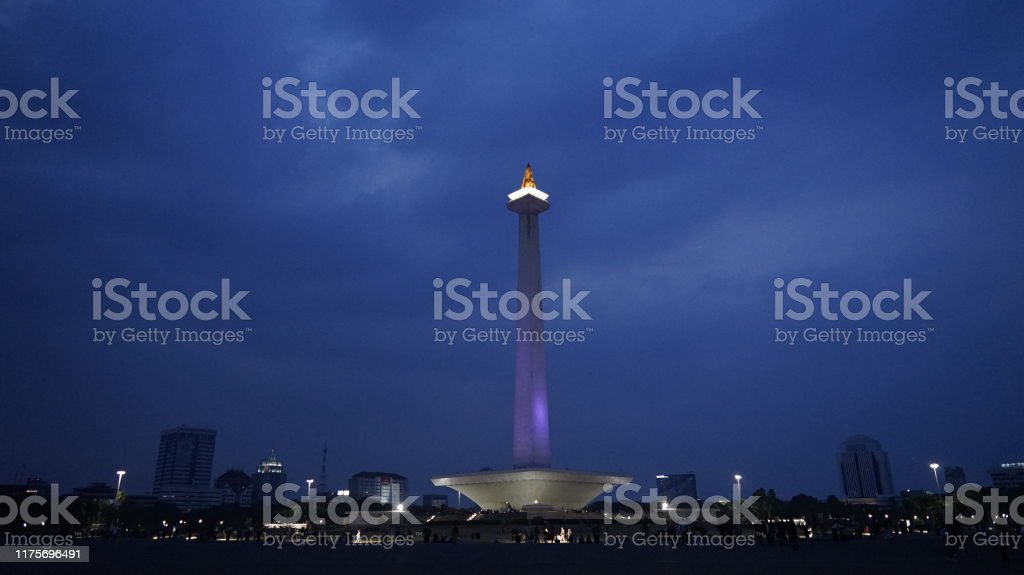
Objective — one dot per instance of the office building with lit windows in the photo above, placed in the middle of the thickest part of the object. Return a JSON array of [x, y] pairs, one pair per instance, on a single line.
[[1008, 476], [677, 485], [389, 487]]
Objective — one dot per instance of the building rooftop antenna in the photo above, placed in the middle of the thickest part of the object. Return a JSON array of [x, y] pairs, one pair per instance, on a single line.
[[323, 468]]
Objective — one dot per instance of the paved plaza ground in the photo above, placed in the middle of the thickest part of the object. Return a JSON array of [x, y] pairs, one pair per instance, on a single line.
[[902, 555]]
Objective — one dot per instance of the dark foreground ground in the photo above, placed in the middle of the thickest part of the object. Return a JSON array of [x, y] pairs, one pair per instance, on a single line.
[[904, 555]]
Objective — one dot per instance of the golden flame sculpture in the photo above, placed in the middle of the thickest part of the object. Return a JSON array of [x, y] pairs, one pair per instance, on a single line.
[[528, 181]]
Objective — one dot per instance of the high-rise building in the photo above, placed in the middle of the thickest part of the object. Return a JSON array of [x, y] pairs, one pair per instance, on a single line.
[[235, 487], [96, 490], [864, 469], [19, 491], [389, 487], [270, 472], [677, 485], [955, 475], [1008, 476], [184, 464], [322, 484], [434, 501]]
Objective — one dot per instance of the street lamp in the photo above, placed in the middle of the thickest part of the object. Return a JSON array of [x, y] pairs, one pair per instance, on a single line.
[[739, 486], [309, 486], [935, 472], [120, 476]]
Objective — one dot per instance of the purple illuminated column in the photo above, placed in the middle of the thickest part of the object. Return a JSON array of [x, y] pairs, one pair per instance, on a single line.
[[531, 444]]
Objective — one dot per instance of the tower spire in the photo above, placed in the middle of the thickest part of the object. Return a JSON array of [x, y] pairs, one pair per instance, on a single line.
[[528, 181], [323, 469]]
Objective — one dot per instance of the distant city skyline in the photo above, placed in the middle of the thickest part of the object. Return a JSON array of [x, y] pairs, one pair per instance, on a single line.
[[860, 456]]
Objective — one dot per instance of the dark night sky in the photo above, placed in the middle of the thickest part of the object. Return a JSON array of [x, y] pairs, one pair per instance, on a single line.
[[850, 182]]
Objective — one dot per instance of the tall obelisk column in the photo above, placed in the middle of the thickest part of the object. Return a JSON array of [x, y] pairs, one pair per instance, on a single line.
[[531, 444]]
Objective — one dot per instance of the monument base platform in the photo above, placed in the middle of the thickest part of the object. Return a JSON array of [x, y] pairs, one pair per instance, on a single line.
[[523, 489]]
